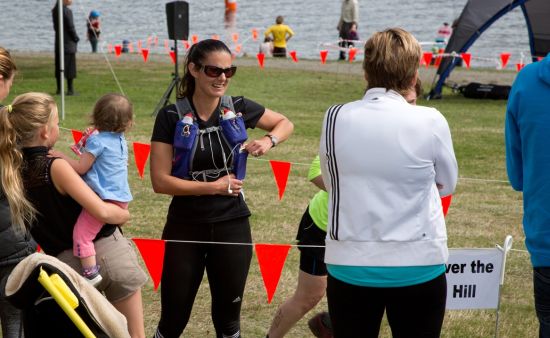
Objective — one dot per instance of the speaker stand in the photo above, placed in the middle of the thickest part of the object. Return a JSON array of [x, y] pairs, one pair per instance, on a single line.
[[165, 99]]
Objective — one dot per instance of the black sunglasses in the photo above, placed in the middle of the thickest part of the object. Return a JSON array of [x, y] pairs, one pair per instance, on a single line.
[[213, 71]]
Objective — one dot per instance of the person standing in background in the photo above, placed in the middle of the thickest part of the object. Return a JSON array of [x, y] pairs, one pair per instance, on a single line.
[[444, 33], [528, 166], [15, 241], [70, 39], [312, 277], [93, 28], [281, 34], [348, 16]]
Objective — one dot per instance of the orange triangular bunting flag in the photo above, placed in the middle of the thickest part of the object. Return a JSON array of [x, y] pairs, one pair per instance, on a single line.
[[504, 57], [427, 58], [145, 54], [152, 252], [293, 55], [271, 259], [280, 172], [118, 50], [260, 57], [519, 66], [235, 37], [194, 38], [445, 203], [352, 52], [173, 56], [141, 153], [439, 57], [323, 54], [466, 57], [77, 135], [254, 34]]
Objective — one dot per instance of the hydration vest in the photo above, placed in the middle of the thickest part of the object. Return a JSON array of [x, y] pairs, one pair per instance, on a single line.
[[187, 135]]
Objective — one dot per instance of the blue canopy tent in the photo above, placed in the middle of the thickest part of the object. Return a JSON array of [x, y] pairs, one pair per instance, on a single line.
[[477, 16]]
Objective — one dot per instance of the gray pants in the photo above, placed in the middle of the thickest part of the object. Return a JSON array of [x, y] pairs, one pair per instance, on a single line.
[[9, 315]]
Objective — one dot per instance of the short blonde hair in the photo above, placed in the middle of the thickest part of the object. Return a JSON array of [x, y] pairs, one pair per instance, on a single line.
[[392, 58]]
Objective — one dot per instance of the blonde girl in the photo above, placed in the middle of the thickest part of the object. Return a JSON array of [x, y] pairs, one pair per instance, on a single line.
[[28, 129]]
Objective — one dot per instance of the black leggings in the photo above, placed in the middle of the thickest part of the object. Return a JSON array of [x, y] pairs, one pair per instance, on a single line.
[[226, 267], [412, 311]]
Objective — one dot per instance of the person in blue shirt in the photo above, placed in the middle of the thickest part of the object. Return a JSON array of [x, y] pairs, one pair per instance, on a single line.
[[104, 166], [528, 166]]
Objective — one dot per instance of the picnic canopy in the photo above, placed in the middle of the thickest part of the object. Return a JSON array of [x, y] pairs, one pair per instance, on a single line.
[[477, 16]]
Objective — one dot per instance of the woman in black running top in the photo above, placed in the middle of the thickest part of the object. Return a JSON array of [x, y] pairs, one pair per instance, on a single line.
[[208, 206]]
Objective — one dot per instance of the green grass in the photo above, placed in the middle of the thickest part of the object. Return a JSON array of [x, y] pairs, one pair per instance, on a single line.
[[483, 212]]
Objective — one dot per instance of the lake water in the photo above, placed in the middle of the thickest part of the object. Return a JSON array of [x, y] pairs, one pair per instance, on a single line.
[[26, 25]]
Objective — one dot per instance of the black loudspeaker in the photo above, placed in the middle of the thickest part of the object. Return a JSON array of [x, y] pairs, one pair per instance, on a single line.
[[177, 17]]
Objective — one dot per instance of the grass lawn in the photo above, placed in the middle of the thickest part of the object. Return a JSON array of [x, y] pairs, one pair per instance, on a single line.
[[484, 210]]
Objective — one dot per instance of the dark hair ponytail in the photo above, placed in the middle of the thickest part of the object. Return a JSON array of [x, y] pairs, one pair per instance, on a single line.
[[196, 54]]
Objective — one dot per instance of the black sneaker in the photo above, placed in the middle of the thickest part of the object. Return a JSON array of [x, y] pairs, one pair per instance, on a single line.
[[320, 325]]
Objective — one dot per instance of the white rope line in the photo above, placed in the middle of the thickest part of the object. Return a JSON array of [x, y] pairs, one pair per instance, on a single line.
[[308, 164], [520, 250], [264, 160], [482, 179], [275, 244], [236, 243]]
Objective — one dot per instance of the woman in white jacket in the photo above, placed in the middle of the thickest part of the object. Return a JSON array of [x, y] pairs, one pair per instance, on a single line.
[[385, 164]]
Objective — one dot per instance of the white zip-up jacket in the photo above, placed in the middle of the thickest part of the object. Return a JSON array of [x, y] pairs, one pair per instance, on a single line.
[[381, 159]]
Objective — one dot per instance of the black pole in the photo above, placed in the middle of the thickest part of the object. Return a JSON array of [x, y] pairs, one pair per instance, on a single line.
[[165, 99]]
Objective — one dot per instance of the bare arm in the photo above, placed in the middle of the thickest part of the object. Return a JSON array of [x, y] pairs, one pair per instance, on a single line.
[[164, 183], [67, 182], [277, 125], [81, 166], [318, 182]]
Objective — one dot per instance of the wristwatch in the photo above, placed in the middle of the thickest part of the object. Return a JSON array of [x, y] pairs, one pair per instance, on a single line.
[[274, 140]]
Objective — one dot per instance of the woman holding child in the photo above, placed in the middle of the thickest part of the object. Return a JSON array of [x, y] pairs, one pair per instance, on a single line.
[[28, 130]]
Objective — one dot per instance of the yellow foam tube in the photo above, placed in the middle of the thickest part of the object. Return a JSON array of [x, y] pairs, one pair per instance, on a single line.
[[63, 302]]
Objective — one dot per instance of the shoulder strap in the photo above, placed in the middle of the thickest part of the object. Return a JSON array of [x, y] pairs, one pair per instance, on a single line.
[[183, 107], [227, 102]]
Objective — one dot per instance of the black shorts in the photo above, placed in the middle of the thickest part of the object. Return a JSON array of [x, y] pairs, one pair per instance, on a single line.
[[279, 52], [312, 259]]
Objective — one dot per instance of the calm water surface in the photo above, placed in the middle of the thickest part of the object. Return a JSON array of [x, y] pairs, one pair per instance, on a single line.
[[27, 25]]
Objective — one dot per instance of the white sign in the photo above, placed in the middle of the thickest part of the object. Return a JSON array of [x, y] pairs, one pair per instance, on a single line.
[[473, 278]]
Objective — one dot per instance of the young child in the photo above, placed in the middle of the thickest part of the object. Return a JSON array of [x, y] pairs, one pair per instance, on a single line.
[[266, 47], [352, 34], [93, 29], [104, 166]]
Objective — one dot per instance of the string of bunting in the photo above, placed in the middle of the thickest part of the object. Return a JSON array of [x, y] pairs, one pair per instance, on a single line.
[[271, 257], [429, 58]]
